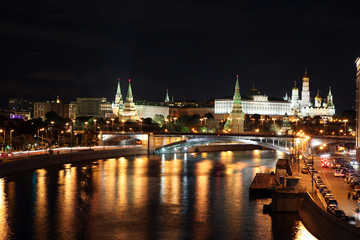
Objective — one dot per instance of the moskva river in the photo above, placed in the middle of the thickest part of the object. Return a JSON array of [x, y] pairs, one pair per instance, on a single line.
[[171, 196]]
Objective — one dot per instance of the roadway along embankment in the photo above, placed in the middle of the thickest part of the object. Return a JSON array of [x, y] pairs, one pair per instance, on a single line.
[[323, 225], [7, 168]]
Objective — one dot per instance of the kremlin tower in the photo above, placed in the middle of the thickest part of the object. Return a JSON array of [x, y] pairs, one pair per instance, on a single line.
[[237, 114]]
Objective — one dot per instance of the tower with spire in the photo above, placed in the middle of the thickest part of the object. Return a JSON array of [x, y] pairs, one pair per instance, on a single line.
[[129, 112], [118, 104], [237, 114], [167, 96], [305, 93], [318, 100]]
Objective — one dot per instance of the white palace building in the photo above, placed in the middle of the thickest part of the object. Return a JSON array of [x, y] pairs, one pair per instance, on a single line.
[[254, 102]]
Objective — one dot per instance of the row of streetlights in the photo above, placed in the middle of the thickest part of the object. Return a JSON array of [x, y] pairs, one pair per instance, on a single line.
[[4, 139]]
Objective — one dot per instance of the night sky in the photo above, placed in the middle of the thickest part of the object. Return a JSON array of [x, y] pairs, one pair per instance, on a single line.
[[73, 48]]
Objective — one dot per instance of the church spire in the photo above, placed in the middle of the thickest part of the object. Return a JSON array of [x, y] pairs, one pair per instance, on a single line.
[[329, 91], [237, 98], [306, 74], [167, 96], [129, 97], [118, 90]]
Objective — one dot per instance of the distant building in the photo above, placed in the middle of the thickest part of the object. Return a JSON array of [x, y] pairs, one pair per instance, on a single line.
[[20, 105], [41, 108], [357, 62], [89, 107], [133, 111], [145, 109], [305, 107], [254, 102]]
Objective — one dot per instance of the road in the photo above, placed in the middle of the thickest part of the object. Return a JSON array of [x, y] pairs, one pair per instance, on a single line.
[[337, 185]]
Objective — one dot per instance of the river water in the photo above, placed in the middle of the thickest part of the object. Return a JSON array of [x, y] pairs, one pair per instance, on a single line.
[[171, 196]]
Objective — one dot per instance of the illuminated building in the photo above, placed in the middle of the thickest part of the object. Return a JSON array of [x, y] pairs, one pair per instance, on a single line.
[[357, 62], [41, 108], [118, 104], [305, 107], [129, 113], [254, 102], [89, 107]]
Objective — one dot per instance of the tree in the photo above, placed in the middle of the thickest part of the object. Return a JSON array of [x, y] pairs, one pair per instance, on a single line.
[[159, 119]]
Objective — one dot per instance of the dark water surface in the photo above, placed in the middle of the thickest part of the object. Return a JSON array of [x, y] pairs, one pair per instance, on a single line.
[[182, 196]]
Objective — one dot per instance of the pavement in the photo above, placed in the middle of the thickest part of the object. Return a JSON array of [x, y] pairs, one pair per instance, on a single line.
[[337, 185]]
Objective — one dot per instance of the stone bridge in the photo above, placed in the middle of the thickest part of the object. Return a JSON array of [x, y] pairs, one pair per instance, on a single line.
[[181, 142]]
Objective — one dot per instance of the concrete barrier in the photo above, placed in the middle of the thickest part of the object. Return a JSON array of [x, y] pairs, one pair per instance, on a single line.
[[31, 163], [322, 224]]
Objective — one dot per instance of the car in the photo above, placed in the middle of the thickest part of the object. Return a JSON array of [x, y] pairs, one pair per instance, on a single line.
[[304, 170], [337, 173], [332, 202], [328, 195], [331, 207], [339, 214], [318, 186], [4, 155]]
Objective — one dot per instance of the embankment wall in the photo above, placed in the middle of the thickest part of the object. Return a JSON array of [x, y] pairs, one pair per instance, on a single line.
[[322, 224], [7, 168]]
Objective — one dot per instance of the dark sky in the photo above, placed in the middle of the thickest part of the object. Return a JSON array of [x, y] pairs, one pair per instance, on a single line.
[[74, 48]]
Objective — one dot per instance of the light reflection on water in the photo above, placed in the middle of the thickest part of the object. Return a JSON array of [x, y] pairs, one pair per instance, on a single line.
[[172, 196]]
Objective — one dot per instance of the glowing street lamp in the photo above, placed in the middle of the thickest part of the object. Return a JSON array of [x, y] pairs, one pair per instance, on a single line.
[[11, 131], [140, 123], [123, 122], [112, 124], [166, 121], [107, 125], [345, 121]]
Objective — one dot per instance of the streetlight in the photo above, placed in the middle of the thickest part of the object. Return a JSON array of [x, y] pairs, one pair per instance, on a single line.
[[262, 124], [140, 123], [86, 123], [345, 121], [95, 120], [11, 131], [123, 122], [1, 130], [112, 124], [107, 125], [166, 121]]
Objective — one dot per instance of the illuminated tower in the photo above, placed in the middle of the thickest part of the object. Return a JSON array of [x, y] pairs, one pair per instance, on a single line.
[[318, 100], [295, 97], [330, 99], [118, 104], [167, 96], [305, 93], [237, 114], [129, 112]]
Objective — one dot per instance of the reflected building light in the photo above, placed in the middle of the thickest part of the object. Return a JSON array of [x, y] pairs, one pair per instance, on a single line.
[[4, 226], [302, 233], [66, 199], [41, 208]]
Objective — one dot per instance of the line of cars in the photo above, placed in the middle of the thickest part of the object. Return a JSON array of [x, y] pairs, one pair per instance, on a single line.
[[5, 155], [331, 203]]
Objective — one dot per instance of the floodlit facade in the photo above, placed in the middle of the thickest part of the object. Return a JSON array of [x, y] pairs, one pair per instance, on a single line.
[[89, 107], [41, 108], [305, 107]]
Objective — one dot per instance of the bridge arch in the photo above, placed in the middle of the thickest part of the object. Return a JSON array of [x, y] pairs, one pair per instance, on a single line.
[[277, 144]]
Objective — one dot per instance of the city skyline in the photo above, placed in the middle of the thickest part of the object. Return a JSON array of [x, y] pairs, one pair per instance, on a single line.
[[194, 49]]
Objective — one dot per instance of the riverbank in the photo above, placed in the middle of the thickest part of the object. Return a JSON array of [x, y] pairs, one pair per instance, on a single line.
[[26, 164]]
